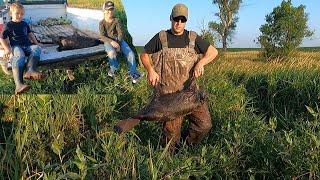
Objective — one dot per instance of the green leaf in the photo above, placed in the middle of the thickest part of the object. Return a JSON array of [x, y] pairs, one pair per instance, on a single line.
[[80, 154], [91, 159], [70, 175], [56, 147], [312, 112]]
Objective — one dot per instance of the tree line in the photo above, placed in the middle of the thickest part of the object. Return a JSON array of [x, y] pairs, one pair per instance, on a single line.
[[281, 35]]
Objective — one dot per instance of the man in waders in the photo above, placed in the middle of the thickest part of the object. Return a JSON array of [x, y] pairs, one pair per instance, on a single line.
[[175, 56]]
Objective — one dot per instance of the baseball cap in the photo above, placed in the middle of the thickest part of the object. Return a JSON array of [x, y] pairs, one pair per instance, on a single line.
[[179, 10], [108, 5]]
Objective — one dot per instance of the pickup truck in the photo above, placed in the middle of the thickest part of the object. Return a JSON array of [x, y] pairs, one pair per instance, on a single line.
[[83, 21]]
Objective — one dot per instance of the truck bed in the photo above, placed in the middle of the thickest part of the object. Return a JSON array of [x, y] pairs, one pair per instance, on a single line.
[[50, 55], [84, 21]]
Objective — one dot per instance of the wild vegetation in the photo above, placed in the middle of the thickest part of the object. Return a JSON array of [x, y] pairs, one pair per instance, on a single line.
[[265, 115], [227, 16], [286, 26], [93, 4], [265, 123]]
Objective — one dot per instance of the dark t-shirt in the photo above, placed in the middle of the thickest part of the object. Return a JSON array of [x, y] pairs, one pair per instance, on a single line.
[[174, 41], [17, 33]]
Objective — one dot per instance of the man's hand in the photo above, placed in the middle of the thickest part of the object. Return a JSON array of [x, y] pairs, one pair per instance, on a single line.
[[208, 57], [115, 45], [153, 77], [7, 54], [198, 70]]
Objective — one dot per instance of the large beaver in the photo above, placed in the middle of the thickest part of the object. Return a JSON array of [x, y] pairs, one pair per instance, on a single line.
[[75, 41], [166, 107]]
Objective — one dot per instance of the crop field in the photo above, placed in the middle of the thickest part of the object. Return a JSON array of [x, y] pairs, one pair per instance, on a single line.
[[265, 124]]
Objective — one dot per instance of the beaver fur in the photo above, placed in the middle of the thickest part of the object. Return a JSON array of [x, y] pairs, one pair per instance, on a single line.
[[75, 41], [166, 107]]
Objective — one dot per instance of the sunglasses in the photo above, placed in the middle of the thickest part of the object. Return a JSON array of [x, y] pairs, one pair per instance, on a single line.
[[180, 18], [111, 9]]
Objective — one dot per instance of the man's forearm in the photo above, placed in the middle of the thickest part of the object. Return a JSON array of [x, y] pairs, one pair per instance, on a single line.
[[145, 59], [209, 56]]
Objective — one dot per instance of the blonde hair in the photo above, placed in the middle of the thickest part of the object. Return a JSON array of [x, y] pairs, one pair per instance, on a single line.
[[16, 6]]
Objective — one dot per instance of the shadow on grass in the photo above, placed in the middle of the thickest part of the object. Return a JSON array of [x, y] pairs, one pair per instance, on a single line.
[[282, 96]]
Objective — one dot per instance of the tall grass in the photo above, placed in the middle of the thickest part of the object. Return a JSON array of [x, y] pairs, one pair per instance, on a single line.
[[265, 117], [94, 4]]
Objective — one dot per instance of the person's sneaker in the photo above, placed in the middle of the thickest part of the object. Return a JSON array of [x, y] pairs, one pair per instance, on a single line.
[[111, 73], [136, 76]]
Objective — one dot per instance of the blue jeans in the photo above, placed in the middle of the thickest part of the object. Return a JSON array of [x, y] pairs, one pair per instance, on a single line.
[[128, 53], [20, 52], [18, 61]]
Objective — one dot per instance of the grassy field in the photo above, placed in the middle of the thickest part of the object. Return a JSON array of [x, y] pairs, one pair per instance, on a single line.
[[265, 122], [93, 4], [304, 49], [265, 117]]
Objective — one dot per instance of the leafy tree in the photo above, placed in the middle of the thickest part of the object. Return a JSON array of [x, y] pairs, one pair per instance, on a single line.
[[284, 31], [228, 10], [207, 33]]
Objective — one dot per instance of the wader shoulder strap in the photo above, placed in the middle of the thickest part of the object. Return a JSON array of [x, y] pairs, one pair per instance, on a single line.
[[192, 39], [163, 39]]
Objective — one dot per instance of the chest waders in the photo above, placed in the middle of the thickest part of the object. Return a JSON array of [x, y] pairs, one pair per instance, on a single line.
[[174, 65], [175, 68]]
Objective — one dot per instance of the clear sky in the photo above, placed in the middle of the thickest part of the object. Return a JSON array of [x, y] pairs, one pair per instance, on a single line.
[[148, 17]]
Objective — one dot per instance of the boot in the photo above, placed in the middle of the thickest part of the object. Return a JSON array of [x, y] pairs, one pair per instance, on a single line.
[[18, 80], [33, 62]]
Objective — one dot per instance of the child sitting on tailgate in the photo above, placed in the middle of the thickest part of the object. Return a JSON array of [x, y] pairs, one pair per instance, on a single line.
[[15, 40]]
